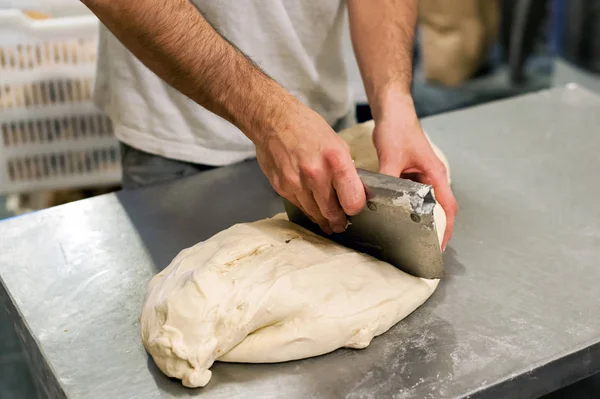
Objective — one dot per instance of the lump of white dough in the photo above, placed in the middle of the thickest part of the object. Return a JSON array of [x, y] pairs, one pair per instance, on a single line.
[[270, 291]]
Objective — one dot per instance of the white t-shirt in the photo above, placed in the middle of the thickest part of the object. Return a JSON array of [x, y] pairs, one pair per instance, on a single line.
[[298, 43]]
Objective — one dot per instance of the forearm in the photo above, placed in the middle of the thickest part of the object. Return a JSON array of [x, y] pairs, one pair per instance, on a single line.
[[175, 41], [382, 36]]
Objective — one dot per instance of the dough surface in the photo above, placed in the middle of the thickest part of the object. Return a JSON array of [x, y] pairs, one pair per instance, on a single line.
[[271, 291]]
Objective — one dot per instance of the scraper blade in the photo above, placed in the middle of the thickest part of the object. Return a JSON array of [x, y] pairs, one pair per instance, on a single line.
[[395, 226]]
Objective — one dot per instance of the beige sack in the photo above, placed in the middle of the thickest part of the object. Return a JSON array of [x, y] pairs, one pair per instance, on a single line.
[[456, 36]]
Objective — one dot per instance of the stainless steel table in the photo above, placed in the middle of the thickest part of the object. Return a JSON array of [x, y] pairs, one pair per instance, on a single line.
[[517, 316]]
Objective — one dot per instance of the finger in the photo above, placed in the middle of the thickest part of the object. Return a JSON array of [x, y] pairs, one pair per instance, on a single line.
[[311, 209], [296, 203], [445, 197], [391, 165], [329, 205], [349, 190]]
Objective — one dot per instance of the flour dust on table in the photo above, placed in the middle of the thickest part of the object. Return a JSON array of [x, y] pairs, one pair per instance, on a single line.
[[272, 291]]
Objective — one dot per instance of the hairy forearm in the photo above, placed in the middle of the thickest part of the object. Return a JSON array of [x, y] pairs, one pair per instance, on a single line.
[[383, 35], [175, 41]]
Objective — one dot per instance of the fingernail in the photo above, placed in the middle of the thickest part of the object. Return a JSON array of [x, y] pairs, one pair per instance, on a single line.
[[327, 230], [339, 228]]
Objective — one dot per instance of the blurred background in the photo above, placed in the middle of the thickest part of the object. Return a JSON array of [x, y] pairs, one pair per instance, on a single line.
[[56, 147]]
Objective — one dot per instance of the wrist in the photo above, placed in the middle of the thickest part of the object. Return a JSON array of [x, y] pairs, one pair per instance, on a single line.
[[270, 116], [391, 101]]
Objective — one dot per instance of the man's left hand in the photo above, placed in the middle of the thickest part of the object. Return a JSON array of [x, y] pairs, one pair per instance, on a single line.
[[404, 151]]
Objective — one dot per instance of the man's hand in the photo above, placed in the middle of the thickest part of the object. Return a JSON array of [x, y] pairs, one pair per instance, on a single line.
[[307, 163], [382, 35], [404, 151]]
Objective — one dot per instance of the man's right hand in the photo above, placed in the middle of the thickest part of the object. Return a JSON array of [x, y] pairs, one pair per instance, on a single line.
[[307, 163]]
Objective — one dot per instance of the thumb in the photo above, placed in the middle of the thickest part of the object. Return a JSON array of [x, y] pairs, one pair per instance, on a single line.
[[391, 165]]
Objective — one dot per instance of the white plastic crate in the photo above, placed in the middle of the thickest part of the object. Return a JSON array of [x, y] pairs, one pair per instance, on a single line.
[[51, 134], [54, 8]]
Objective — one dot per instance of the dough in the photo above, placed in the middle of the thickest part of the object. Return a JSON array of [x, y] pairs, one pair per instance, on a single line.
[[271, 291]]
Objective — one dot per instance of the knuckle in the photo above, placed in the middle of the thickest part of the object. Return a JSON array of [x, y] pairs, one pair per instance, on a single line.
[[438, 167], [321, 221], [292, 181], [277, 185], [450, 208], [441, 168], [312, 210], [454, 207], [310, 171], [336, 158], [333, 214], [437, 176]]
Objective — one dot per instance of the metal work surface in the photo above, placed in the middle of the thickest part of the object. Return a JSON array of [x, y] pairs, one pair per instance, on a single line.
[[563, 73], [518, 314]]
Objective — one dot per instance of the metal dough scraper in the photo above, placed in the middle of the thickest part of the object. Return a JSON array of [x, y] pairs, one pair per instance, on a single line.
[[395, 226]]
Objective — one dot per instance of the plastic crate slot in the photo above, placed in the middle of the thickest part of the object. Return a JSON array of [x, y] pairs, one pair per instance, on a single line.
[[11, 171], [75, 54], [21, 57], [33, 133], [13, 134], [102, 125], [5, 134], [70, 91], [56, 53], [53, 91], [70, 164], [45, 166], [46, 53], [83, 126], [35, 168], [38, 54], [42, 133], [11, 58], [37, 95], [93, 122], [44, 97], [27, 132], [21, 127], [13, 98], [27, 95], [87, 89], [65, 131], [32, 56], [78, 92], [61, 91], [50, 92]]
